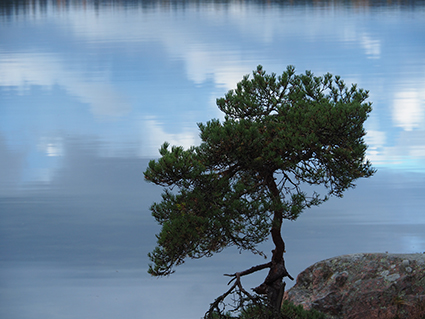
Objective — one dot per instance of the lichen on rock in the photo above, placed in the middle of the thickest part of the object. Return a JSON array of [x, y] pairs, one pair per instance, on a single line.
[[362, 286]]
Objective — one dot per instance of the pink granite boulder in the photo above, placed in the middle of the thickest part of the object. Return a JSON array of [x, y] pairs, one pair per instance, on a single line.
[[363, 286]]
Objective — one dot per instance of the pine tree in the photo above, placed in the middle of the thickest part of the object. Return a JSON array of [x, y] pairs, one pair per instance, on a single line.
[[287, 143]]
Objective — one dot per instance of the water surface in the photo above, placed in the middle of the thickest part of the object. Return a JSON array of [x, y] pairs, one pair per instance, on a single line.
[[89, 90]]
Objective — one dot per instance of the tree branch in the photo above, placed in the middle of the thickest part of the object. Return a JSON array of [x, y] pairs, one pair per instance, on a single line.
[[215, 306], [248, 271]]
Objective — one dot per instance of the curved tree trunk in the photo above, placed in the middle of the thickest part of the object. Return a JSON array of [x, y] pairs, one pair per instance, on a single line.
[[273, 285]]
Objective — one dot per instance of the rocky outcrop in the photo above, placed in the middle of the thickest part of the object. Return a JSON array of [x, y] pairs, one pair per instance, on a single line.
[[363, 286]]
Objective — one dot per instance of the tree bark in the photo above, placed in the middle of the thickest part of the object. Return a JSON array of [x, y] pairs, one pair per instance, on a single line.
[[273, 286]]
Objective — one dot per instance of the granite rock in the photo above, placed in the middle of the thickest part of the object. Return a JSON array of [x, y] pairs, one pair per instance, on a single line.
[[362, 286]]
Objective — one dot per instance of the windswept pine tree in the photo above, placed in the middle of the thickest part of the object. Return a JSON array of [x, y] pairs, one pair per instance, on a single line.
[[287, 143]]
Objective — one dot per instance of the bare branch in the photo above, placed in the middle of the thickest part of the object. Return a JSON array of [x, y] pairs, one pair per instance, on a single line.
[[248, 271], [236, 287]]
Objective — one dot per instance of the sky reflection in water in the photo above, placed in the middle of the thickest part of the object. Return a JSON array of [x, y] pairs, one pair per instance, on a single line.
[[89, 92]]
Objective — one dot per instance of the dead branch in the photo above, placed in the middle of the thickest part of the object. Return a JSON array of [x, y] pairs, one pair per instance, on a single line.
[[248, 271], [277, 272], [237, 287]]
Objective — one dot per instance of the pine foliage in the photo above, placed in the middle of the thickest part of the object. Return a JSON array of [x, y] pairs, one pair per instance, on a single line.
[[282, 140]]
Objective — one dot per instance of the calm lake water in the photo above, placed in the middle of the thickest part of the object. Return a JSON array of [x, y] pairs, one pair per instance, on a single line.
[[89, 90]]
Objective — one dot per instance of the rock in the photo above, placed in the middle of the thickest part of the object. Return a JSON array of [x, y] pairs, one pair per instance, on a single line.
[[363, 286]]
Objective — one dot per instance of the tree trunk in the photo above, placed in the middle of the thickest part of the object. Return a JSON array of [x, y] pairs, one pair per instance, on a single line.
[[273, 286], [275, 297]]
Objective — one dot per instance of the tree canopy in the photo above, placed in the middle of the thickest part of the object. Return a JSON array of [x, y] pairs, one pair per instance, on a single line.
[[286, 143]]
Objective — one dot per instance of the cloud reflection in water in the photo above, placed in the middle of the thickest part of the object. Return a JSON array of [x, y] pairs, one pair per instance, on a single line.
[[88, 93]]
